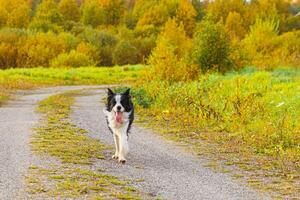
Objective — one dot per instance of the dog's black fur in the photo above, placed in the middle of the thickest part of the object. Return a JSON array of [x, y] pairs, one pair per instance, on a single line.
[[126, 102]]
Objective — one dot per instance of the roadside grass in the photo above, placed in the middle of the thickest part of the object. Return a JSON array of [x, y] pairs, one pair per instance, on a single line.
[[73, 176], [248, 120], [27, 78]]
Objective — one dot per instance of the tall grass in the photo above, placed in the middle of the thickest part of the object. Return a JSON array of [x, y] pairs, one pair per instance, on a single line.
[[256, 110]]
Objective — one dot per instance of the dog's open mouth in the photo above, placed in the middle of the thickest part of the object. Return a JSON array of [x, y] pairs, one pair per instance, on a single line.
[[119, 117]]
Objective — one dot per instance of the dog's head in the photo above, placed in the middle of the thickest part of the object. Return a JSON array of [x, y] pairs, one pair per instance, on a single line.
[[118, 103]]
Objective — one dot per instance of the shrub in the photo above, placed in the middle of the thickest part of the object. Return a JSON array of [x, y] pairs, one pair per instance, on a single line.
[[92, 13], [288, 50], [8, 54], [261, 42], [211, 47], [39, 49], [125, 53], [69, 10], [169, 58], [156, 16], [90, 51], [72, 59], [144, 46], [186, 14], [9, 41], [104, 41], [113, 11], [47, 17], [14, 13]]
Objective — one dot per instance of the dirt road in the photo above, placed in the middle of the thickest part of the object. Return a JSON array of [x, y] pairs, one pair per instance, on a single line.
[[164, 169]]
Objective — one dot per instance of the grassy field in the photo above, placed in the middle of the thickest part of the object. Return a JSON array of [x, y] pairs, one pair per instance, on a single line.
[[27, 78], [249, 119]]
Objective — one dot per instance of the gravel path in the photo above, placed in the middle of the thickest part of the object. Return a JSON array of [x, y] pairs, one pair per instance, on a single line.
[[17, 118], [166, 170]]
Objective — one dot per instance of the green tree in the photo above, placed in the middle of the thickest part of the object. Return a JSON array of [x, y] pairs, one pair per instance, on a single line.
[[47, 16], [125, 53], [69, 9], [92, 13], [114, 11], [211, 47]]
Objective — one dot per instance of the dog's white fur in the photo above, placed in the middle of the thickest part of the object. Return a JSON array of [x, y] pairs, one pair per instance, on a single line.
[[119, 130]]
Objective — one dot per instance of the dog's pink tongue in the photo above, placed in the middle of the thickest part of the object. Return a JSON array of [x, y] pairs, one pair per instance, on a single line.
[[119, 117]]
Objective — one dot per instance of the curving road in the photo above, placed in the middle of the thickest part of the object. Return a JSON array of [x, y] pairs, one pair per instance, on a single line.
[[165, 170]]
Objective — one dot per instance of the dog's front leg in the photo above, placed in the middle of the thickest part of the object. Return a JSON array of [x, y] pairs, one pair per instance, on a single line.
[[123, 151], [116, 139]]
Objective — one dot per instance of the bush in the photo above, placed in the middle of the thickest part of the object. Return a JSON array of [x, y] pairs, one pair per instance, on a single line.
[[9, 41], [169, 58], [8, 54], [125, 53], [69, 9], [90, 51], [92, 14], [72, 59], [104, 41], [38, 49], [144, 46], [211, 47], [261, 42], [47, 17], [288, 51]]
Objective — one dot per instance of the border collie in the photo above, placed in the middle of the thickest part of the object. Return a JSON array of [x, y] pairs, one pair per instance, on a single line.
[[119, 113]]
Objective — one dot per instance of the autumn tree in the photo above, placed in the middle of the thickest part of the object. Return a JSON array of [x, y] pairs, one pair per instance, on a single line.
[[235, 26], [261, 41], [211, 47], [15, 13], [220, 9], [113, 11], [47, 16], [155, 16], [169, 58], [69, 9], [186, 15], [92, 14]]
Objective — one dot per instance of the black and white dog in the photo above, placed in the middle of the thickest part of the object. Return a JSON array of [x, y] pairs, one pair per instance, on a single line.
[[119, 113]]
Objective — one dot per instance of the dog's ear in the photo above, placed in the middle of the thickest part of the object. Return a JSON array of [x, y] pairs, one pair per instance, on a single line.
[[127, 92], [110, 92]]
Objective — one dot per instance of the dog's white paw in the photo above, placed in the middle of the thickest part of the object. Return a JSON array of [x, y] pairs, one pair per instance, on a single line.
[[115, 156]]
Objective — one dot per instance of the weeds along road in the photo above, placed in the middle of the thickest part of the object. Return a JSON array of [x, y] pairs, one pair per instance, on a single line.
[[165, 170]]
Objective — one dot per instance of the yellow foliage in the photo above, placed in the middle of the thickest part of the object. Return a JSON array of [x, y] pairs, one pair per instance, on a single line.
[[89, 50], [186, 14], [168, 59], [69, 9], [234, 26], [8, 54], [156, 16], [38, 50], [15, 13]]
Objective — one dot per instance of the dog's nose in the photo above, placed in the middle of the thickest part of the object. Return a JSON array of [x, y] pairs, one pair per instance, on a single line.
[[118, 108]]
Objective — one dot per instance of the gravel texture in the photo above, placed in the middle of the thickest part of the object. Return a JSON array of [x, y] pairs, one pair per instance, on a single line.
[[164, 169], [17, 118]]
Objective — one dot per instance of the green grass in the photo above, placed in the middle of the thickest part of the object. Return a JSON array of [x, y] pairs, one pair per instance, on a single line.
[[250, 119], [26, 78], [74, 176]]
